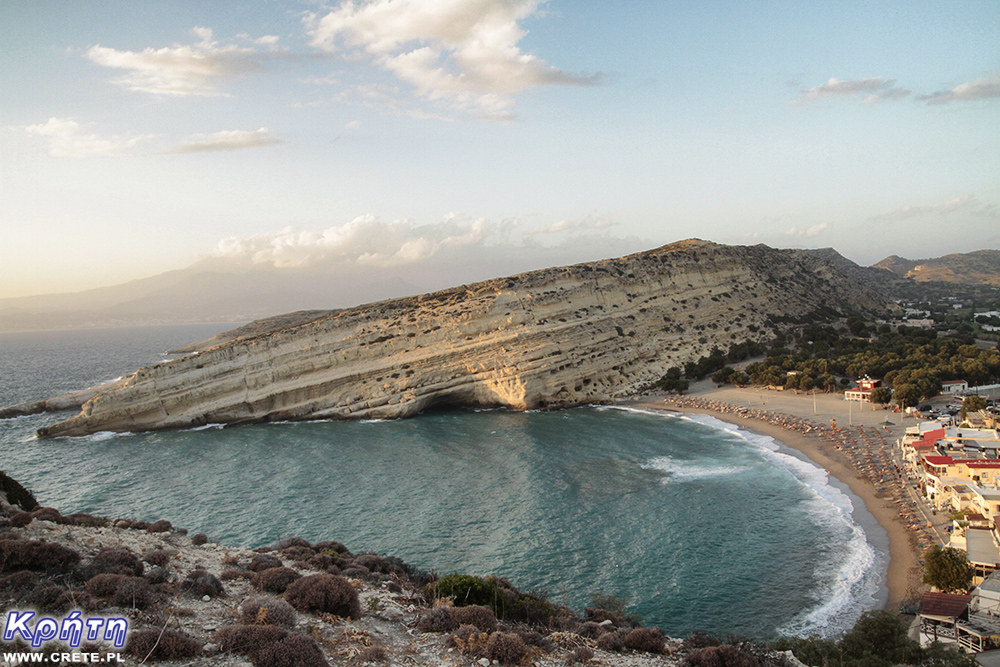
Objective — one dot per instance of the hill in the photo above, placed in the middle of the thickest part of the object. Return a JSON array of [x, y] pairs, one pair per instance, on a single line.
[[587, 333], [979, 267]]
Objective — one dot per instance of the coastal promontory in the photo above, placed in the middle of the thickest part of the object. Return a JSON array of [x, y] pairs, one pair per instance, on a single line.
[[559, 337]]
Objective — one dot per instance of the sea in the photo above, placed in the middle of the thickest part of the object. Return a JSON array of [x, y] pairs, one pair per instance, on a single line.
[[698, 524]]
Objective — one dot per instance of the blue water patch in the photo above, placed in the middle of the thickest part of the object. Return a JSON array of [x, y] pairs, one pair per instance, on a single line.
[[700, 526]]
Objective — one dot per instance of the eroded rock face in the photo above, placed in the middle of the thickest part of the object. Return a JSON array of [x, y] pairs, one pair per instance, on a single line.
[[561, 337]]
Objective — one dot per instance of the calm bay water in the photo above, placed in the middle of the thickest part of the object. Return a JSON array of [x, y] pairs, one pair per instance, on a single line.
[[701, 526]]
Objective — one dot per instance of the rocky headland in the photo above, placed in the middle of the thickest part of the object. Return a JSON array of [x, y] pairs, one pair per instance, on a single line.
[[589, 333]]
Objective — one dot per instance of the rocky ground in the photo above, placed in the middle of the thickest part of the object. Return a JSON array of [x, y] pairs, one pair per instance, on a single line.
[[191, 601]]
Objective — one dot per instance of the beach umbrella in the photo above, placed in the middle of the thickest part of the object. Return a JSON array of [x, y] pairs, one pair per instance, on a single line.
[[888, 423]]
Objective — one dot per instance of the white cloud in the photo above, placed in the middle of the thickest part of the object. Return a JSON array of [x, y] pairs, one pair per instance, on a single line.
[[874, 90], [967, 202], [815, 230], [192, 69], [980, 89], [228, 141], [67, 139], [365, 240], [570, 225], [458, 55]]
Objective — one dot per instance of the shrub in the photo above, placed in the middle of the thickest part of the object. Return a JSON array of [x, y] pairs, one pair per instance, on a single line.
[[332, 548], [161, 526], [236, 573], [648, 640], [87, 520], [54, 599], [297, 553], [293, 542], [104, 585], [133, 592], [267, 611], [200, 583], [113, 561], [466, 589], [438, 619], [19, 581], [321, 562], [21, 519], [612, 641], [168, 645], [294, 650], [506, 648], [275, 579], [246, 639], [199, 539], [725, 655], [580, 654], [324, 592], [158, 557], [261, 562], [49, 514], [481, 617], [32, 555]]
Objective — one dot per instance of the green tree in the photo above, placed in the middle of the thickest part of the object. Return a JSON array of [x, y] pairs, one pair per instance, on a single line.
[[881, 395], [883, 634], [723, 375], [906, 395], [972, 404], [947, 569]]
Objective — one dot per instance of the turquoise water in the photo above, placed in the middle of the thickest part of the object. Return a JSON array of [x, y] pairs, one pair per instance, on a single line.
[[700, 526]]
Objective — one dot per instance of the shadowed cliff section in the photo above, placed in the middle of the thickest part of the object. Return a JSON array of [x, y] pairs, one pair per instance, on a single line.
[[554, 338]]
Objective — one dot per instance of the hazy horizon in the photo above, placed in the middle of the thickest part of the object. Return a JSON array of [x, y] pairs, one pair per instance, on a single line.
[[409, 137]]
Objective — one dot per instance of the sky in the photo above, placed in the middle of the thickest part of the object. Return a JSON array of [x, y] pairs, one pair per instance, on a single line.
[[139, 136]]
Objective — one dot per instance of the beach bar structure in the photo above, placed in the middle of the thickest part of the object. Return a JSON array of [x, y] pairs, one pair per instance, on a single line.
[[939, 614]]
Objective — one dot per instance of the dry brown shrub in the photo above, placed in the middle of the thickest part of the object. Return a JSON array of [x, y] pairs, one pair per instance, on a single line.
[[261, 562], [294, 650], [267, 611], [476, 615], [246, 639], [104, 585], [275, 579], [506, 648], [161, 526], [325, 593], [648, 640], [170, 645]]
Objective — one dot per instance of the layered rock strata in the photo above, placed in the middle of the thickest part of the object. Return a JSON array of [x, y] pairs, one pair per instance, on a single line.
[[559, 337]]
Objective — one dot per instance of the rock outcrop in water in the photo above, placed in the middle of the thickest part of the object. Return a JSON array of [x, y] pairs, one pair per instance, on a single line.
[[560, 337]]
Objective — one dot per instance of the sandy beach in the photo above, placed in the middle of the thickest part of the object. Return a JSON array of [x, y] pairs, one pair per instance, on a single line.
[[858, 450]]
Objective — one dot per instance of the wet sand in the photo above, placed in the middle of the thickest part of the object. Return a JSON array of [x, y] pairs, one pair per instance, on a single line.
[[858, 451]]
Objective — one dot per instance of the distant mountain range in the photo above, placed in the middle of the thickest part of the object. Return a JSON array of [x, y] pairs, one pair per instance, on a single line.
[[979, 267], [215, 289]]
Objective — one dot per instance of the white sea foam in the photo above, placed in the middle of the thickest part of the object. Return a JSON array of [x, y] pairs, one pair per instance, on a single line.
[[679, 470], [852, 576]]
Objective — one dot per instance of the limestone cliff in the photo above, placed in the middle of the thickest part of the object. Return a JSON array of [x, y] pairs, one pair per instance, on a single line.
[[558, 337]]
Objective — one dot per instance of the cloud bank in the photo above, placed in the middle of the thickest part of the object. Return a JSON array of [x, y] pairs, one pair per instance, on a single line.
[[366, 240], [67, 139], [967, 203], [872, 90], [980, 89], [193, 69], [458, 55], [230, 140]]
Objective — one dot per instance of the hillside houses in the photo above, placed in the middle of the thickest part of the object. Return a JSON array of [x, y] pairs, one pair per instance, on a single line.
[[958, 471]]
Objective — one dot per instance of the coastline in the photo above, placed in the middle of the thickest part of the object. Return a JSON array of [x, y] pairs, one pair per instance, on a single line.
[[904, 572]]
